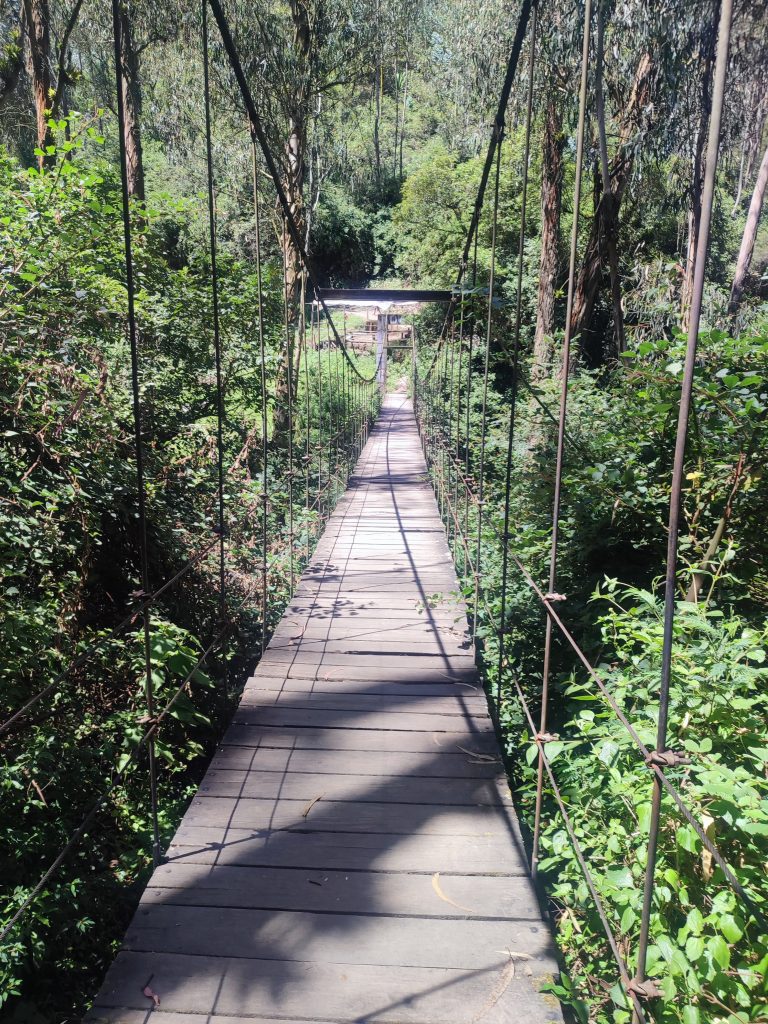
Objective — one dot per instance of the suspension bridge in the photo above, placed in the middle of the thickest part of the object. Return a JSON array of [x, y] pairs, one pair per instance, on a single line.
[[353, 851]]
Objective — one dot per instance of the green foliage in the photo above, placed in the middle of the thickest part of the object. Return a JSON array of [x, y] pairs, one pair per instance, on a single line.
[[70, 538], [707, 951]]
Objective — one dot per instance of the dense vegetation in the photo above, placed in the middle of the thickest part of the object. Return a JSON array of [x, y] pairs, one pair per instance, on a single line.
[[379, 119]]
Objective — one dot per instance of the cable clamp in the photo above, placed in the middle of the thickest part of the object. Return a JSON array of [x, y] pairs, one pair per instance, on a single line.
[[546, 737], [647, 989], [555, 597], [667, 758]]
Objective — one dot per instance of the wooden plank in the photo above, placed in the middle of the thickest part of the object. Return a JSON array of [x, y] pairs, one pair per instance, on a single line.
[[286, 669], [360, 739], [345, 892], [394, 719], [323, 815], [305, 786], [265, 686], [404, 662], [349, 851], [393, 941], [426, 704], [360, 993], [358, 762]]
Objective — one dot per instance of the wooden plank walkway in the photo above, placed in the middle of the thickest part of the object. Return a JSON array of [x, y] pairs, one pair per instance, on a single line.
[[352, 854]]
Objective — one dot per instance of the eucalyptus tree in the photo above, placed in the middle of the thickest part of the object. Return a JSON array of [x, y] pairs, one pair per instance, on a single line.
[[35, 58]]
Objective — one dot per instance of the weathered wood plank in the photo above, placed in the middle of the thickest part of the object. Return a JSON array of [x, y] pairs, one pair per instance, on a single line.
[[361, 739], [305, 786], [409, 765], [328, 718], [324, 815], [335, 939], [349, 851], [439, 895], [424, 704], [501, 994]]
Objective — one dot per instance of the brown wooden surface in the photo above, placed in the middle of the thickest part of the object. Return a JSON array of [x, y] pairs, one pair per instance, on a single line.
[[352, 853]]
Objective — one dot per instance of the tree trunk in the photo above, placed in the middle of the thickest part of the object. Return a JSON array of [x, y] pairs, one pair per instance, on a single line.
[[377, 122], [750, 233], [697, 180], [293, 184], [402, 123], [551, 203], [130, 84], [38, 21], [606, 218], [611, 213], [12, 58]]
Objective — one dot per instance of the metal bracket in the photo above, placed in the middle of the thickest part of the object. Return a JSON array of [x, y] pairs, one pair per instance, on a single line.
[[667, 758], [647, 989]]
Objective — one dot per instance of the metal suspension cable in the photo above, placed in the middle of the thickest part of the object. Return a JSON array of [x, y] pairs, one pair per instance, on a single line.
[[486, 365], [516, 352], [675, 500], [258, 131], [221, 527], [289, 386], [307, 412], [133, 339], [264, 411], [563, 412]]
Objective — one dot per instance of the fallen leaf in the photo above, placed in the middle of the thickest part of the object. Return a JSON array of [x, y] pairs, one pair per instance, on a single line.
[[479, 758], [310, 805], [447, 899], [151, 994], [501, 986]]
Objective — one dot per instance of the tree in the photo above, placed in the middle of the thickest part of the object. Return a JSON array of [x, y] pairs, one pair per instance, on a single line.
[[551, 204], [37, 19], [131, 92], [750, 233], [605, 220]]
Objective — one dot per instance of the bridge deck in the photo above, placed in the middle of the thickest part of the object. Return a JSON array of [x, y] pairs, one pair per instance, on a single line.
[[352, 854]]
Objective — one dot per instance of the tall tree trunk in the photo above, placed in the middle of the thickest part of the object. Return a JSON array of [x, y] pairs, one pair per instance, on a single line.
[[293, 184], [697, 179], [748, 238], [12, 57], [605, 221], [402, 123], [611, 214], [38, 22], [551, 205], [131, 88], [377, 121]]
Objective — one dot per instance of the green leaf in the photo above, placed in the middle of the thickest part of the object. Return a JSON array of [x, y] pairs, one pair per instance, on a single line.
[[730, 927], [720, 952]]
